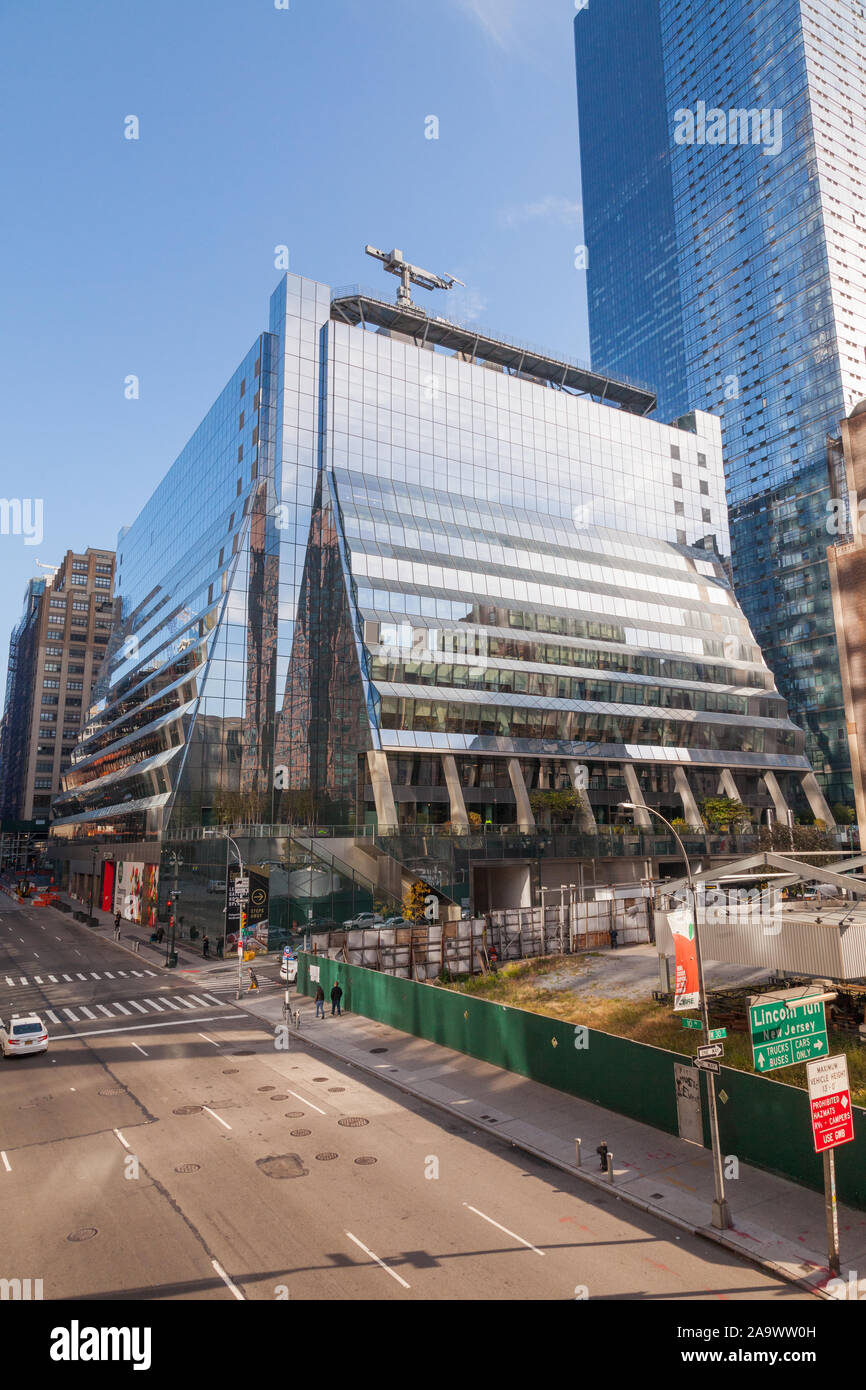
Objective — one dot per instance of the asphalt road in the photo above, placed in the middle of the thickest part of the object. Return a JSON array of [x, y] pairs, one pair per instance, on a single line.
[[167, 1147]]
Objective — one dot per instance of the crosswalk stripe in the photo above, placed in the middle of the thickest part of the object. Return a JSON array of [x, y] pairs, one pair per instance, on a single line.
[[83, 977], [86, 1011], [150, 972], [9, 981], [199, 1003], [52, 1015], [211, 1000], [108, 975], [153, 1004], [186, 1004], [53, 979], [121, 1007], [93, 975], [104, 1010], [135, 1005], [37, 979], [137, 972], [170, 1004], [23, 980], [71, 1015], [68, 979], [122, 973]]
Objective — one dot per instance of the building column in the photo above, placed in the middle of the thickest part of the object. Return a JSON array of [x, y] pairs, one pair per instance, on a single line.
[[642, 819], [383, 792], [779, 801], [585, 816], [459, 818], [691, 813], [525, 818], [727, 786], [816, 799]]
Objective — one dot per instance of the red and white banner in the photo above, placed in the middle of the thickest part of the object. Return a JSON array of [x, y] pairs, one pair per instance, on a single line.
[[686, 991]]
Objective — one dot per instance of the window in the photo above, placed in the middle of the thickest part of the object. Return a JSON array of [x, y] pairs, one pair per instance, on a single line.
[[46, 718], [241, 420], [103, 569], [702, 460], [81, 607], [74, 685], [706, 514], [705, 487], [51, 685], [52, 666], [678, 479], [240, 453], [675, 452], [102, 583], [47, 766], [57, 603]]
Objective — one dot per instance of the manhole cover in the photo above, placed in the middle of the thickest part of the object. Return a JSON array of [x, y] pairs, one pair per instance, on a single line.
[[657, 1194], [231, 1071], [325, 1158], [378, 1049], [366, 1161], [334, 1089], [86, 1233], [243, 1054], [320, 1078], [294, 1114], [282, 1166], [187, 1110], [266, 1088], [188, 1168], [300, 1133], [279, 1097], [352, 1121], [113, 1091]]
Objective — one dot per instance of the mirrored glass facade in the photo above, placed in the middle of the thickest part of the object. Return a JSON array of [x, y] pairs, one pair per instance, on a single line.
[[763, 202]]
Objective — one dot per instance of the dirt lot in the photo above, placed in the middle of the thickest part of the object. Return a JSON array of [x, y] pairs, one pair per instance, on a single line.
[[612, 991]]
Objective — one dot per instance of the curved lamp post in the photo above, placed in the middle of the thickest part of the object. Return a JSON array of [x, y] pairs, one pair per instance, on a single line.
[[721, 1213]]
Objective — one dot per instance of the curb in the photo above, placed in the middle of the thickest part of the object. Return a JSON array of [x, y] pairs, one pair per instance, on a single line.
[[129, 949], [707, 1233]]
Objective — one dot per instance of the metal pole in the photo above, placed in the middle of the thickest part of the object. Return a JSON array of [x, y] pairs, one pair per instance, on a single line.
[[563, 888], [92, 882], [240, 921], [721, 1212], [831, 1212]]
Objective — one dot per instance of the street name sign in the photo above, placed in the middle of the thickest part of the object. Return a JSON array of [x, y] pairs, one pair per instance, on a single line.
[[692, 1023], [717, 1033], [710, 1050], [786, 1028], [706, 1064], [830, 1102]]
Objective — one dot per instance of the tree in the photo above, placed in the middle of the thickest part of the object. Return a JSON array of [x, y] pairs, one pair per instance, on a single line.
[[415, 900], [843, 815], [724, 811]]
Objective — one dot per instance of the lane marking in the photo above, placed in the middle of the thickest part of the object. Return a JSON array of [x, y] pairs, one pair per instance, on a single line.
[[9, 981], [200, 1003], [108, 975], [142, 1027], [103, 1009], [170, 1004], [122, 973], [73, 1018], [226, 1280], [216, 1117], [94, 976], [87, 1012], [387, 1268], [141, 1049], [150, 972], [123, 1010], [53, 979], [82, 977], [37, 979], [210, 1040], [68, 978], [513, 1235], [122, 1140], [153, 1004], [135, 1004], [23, 981], [137, 972], [6, 1164], [52, 1015], [306, 1102], [210, 998]]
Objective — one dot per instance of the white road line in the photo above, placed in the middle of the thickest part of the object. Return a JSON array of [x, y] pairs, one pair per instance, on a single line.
[[170, 1004], [139, 1027], [527, 1243], [82, 977], [137, 972], [141, 1049], [71, 1016], [9, 981], [35, 955], [23, 980], [52, 1015], [121, 1007], [210, 999], [104, 1010], [122, 973], [37, 979], [306, 1102], [53, 979], [153, 1004], [226, 1280], [6, 1164], [122, 1140], [94, 976], [200, 1003], [87, 1012], [150, 972], [216, 1117], [138, 1006], [68, 978], [386, 1268], [210, 1040], [108, 975]]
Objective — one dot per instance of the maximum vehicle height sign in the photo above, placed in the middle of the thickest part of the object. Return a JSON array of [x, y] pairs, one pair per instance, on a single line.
[[830, 1102], [786, 1030]]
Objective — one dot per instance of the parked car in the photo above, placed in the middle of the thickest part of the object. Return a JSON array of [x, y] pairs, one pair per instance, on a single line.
[[397, 922], [22, 1034], [364, 920], [288, 970], [216, 885]]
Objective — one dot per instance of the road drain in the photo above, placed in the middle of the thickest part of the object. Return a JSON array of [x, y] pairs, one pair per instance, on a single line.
[[187, 1110], [320, 1078], [334, 1089], [279, 1097], [188, 1168], [266, 1088], [114, 1091], [378, 1049], [352, 1121], [282, 1166], [86, 1233], [294, 1114], [325, 1158], [231, 1071], [366, 1161], [300, 1133]]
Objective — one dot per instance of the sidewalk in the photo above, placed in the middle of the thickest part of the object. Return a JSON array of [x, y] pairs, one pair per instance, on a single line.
[[137, 938], [777, 1224]]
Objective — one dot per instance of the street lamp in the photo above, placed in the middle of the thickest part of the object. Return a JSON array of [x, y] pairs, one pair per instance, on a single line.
[[721, 1213], [172, 921]]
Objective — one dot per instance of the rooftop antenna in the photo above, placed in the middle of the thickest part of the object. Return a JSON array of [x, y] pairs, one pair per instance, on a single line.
[[411, 275]]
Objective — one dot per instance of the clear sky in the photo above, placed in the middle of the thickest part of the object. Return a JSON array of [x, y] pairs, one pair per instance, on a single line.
[[258, 127]]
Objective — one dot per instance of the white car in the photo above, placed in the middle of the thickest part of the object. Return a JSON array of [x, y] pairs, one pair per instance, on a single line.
[[288, 970], [22, 1034]]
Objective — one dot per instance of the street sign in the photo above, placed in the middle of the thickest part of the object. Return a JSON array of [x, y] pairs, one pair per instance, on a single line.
[[692, 1023], [704, 1064], [786, 1028], [717, 1033], [711, 1050], [830, 1102]]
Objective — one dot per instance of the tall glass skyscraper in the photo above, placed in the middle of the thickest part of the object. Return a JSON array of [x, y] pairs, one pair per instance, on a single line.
[[723, 155]]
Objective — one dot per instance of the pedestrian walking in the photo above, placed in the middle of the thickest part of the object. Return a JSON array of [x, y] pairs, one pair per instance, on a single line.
[[117, 926], [336, 996], [205, 947], [320, 1002], [613, 934], [602, 1152]]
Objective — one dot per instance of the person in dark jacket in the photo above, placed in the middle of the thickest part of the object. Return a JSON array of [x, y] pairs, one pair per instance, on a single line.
[[320, 1002], [336, 996], [205, 947]]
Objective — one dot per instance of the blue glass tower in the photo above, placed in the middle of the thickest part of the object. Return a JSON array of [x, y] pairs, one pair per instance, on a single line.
[[744, 150]]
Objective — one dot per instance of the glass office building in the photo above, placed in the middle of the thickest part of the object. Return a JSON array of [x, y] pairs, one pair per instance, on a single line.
[[722, 155], [408, 575]]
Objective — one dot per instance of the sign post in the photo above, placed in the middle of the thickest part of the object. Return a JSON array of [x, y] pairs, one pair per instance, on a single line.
[[832, 1125]]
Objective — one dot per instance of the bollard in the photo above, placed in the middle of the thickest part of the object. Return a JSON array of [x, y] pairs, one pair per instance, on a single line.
[[610, 1167], [577, 1152]]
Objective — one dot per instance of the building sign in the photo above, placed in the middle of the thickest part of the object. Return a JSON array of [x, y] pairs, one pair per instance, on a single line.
[[682, 925], [830, 1102]]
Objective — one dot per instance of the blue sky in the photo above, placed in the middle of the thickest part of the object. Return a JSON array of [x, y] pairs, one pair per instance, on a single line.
[[258, 127]]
